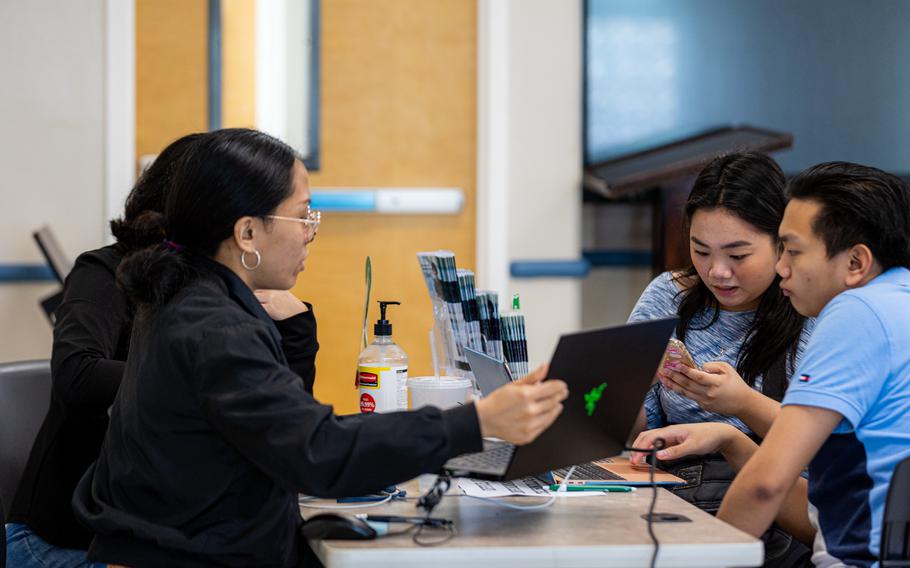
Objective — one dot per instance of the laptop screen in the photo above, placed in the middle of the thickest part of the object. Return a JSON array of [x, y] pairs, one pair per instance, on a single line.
[[608, 371], [489, 373]]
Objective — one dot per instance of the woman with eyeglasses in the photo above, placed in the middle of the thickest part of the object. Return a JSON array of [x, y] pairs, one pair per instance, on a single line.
[[212, 436], [91, 343]]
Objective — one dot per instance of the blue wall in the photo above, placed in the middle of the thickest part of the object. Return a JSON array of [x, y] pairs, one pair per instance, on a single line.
[[835, 73]]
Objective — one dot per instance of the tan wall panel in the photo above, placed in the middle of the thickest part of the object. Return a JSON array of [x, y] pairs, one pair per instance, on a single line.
[[398, 110], [238, 63], [171, 60]]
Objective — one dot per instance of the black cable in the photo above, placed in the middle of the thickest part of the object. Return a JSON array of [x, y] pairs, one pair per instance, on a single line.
[[431, 498], [659, 444], [428, 502], [448, 527]]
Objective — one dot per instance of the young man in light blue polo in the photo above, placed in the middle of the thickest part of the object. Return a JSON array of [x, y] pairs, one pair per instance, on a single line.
[[845, 258]]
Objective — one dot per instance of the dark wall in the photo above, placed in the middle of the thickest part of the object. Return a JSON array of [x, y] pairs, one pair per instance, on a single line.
[[835, 73]]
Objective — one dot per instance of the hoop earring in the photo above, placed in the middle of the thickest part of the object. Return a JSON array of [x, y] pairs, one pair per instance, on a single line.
[[248, 267]]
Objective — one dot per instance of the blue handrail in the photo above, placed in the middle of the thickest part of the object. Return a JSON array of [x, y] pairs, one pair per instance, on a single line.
[[344, 201], [618, 258], [581, 267], [550, 268], [26, 273]]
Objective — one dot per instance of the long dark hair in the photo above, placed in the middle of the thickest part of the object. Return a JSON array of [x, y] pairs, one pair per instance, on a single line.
[[751, 186], [141, 224], [225, 175]]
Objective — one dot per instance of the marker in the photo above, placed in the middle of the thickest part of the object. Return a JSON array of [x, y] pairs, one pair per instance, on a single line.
[[363, 499], [389, 493], [428, 521], [601, 488]]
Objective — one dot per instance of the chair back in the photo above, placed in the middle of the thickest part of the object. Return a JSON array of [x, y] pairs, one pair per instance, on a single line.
[[895, 546], [2, 536], [57, 260], [25, 394]]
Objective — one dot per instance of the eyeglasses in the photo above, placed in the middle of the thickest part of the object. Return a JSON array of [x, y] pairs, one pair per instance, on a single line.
[[312, 220]]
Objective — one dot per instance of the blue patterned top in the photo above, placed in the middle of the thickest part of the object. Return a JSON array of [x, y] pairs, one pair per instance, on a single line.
[[722, 341]]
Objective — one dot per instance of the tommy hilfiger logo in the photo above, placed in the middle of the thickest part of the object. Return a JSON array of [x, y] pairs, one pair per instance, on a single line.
[[804, 378]]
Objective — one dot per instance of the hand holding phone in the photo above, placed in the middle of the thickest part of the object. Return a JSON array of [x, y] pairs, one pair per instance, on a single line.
[[677, 353]]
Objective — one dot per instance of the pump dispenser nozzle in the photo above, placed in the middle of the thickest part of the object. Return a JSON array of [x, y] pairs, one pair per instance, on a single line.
[[384, 326]]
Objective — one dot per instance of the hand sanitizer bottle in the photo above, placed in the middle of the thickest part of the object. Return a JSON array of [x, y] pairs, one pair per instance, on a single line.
[[382, 370]]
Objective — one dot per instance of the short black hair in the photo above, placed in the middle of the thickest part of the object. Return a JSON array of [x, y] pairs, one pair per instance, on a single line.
[[859, 205]]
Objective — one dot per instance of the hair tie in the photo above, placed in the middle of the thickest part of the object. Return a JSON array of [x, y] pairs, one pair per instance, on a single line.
[[174, 246]]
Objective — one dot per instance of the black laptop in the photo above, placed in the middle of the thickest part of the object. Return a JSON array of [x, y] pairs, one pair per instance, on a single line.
[[608, 372]]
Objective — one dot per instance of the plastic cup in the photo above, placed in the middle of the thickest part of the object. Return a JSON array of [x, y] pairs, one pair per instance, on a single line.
[[441, 392]]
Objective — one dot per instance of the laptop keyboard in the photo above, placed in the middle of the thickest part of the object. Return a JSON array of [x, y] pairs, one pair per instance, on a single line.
[[494, 460], [496, 457], [590, 471]]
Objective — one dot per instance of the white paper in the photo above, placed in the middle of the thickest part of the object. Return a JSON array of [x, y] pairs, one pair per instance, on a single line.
[[527, 486], [530, 486]]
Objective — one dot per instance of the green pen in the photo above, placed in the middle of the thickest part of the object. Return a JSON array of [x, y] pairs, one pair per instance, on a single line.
[[601, 488]]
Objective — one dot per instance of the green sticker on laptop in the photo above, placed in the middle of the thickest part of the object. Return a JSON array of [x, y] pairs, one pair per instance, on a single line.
[[593, 397]]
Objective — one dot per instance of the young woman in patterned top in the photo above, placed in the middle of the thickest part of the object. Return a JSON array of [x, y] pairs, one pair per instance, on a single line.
[[744, 335]]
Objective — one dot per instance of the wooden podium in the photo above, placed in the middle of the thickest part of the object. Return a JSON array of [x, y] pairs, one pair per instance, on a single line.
[[664, 176]]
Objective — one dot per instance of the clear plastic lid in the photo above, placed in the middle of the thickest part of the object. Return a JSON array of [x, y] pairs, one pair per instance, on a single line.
[[439, 383]]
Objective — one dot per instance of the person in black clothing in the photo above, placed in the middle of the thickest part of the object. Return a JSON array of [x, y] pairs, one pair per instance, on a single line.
[[91, 342], [213, 436]]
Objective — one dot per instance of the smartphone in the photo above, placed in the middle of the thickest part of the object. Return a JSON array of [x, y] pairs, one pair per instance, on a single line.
[[677, 352]]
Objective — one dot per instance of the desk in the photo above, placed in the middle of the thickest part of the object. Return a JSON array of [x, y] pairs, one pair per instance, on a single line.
[[603, 530]]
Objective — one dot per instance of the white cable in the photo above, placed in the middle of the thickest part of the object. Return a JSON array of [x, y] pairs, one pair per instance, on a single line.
[[544, 505], [301, 500]]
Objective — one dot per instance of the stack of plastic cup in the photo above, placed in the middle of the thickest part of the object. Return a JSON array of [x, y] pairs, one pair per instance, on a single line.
[[441, 392]]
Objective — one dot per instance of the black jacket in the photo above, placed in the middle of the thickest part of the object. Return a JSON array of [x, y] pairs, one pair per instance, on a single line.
[[212, 437], [91, 342]]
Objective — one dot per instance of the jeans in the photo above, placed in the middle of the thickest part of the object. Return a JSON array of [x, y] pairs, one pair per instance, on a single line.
[[25, 549]]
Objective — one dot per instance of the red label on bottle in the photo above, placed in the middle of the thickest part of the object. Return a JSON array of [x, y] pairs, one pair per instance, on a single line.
[[367, 403], [368, 380]]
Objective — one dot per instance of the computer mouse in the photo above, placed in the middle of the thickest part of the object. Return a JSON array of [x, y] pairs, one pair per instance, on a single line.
[[332, 526]]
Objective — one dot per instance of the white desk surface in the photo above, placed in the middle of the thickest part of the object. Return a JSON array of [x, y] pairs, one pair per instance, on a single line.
[[604, 530]]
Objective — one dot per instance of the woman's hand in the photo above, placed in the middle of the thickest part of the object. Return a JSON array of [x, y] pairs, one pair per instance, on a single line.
[[520, 411], [280, 304], [717, 387], [682, 440]]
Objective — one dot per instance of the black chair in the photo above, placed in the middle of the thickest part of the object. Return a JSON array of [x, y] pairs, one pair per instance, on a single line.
[[25, 394], [60, 266], [59, 263], [895, 547]]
